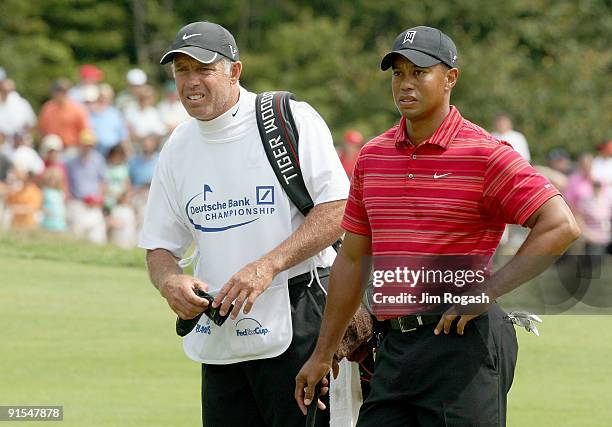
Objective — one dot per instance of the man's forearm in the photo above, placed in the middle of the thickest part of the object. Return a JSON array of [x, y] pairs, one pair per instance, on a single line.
[[551, 234], [161, 264], [343, 299], [320, 229]]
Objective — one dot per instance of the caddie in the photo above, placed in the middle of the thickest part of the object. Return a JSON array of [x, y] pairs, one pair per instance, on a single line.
[[214, 187]]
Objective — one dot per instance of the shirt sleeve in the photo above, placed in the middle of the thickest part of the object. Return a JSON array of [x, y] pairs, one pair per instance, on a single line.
[[162, 227], [513, 189], [355, 218], [323, 174]]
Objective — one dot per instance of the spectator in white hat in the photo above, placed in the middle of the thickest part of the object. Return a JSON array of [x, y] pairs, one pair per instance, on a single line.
[[136, 79], [90, 76], [143, 119], [24, 157], [51, 148]]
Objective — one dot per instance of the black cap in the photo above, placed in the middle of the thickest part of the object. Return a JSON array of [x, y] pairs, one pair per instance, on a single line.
[[424, 47], [61, 85], [203, 41], [557, 153]]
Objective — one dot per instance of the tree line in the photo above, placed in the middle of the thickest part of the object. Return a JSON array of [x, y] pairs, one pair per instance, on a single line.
[[546, 63]]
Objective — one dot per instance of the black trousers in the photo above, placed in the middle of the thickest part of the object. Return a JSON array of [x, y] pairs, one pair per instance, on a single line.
[[421, 379], [259, 393]]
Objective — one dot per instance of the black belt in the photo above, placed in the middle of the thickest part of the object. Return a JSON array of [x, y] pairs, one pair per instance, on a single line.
[[412, 322], [305, 277]]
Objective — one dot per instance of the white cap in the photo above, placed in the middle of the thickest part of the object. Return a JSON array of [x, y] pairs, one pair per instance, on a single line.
[[91, 93], [136, 77], [2, 73], [50, 142]]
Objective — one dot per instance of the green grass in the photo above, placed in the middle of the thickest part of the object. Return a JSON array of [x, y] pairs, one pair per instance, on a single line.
[[564, 377], [57, 247], [82, 327], [97, 339]]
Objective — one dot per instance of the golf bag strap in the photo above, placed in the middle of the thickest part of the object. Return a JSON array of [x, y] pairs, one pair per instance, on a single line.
[[280, 139]]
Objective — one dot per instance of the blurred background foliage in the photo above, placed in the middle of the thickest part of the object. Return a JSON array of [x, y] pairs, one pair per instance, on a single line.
[[547, 63]]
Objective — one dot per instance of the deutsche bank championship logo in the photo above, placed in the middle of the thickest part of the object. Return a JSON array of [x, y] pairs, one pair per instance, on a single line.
[[217, 211], [409, 37], [265, 194], [248, 327]]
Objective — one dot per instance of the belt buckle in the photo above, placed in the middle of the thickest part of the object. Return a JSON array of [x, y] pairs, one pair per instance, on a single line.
[[405, 328]]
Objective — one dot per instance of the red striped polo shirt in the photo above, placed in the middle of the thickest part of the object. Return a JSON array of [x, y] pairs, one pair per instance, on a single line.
[[450, 195]]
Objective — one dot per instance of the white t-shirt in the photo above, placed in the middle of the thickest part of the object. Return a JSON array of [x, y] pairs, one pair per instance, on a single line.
[[15, 114], [517, 140], [27, 159], [172, 113], [144, 122], [167, 225], [601, 170]]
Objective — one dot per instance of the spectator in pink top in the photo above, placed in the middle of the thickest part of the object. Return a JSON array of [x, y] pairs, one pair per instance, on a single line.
[[580, 183], [593, 214]]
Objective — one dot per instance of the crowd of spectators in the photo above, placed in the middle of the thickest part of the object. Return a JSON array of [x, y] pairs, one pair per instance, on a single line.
[[586, 185], [588, 192], [84, 163]]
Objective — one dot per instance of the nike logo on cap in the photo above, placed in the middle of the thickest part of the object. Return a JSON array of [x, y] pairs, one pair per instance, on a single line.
[[436, 176], [185, 36]]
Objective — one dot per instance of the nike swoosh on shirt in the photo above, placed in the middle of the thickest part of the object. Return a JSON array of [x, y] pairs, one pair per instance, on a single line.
[[436, 176], [185, 36], [235, 112]]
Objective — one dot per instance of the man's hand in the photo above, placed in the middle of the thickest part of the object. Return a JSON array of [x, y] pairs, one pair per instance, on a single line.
[[553, 229], [465, 313], [320, 229], [313, 372], [246, 285], [178, 291]]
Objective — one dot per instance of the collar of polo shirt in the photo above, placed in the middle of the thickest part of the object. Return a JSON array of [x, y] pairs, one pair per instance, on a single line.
[[442, 137]]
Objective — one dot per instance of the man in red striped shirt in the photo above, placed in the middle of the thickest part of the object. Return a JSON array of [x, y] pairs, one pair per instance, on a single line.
[[437, 185]]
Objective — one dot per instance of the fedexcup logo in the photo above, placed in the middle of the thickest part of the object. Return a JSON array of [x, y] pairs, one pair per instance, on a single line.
[[248, 327], [203, 329]]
